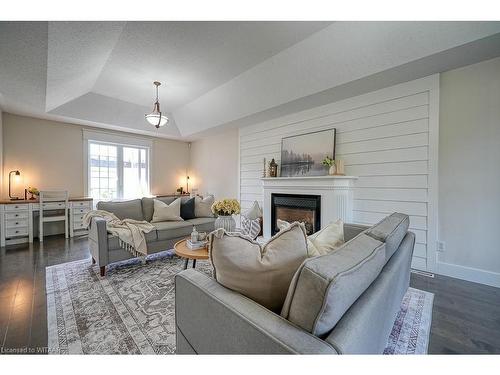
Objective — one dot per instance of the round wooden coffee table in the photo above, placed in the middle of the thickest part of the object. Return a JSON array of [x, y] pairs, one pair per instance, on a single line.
[[183, 251]]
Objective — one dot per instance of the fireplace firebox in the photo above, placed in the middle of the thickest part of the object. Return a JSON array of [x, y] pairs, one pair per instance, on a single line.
[[296, 207]]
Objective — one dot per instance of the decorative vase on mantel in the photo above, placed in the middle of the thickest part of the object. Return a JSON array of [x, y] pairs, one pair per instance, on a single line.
[[332, 170], [225, 222]]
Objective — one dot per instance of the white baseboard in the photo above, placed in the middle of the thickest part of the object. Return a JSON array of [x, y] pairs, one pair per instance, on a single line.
[[469, 274]]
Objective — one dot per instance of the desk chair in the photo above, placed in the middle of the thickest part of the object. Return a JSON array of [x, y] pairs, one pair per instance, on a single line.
[[51, 201]]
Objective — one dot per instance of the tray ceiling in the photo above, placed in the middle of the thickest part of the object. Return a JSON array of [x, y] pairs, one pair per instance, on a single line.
[[212, 73]]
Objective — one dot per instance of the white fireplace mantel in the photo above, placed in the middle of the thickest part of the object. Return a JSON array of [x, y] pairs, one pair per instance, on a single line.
[[335, 191]]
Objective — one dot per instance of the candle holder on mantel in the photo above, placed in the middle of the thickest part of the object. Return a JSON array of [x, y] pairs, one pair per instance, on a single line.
[[273, 169], [339, 167]]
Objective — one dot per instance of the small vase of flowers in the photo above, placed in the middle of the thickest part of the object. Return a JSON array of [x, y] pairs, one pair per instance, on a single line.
[[330, 163], [225, 209], [33, 192]]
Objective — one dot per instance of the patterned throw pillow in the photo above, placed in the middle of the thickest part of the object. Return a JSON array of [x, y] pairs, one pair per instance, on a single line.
[[250, 227]]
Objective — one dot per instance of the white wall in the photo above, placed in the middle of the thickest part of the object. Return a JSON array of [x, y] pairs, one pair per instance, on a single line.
[[388, 138], [214, 164], [49, 155], [469, 178]]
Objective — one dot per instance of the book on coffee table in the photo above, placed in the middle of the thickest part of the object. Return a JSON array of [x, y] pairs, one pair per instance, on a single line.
[[195, 245]]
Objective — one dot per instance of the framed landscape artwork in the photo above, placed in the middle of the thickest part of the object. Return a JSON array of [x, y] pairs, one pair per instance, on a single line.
[[302, 155]]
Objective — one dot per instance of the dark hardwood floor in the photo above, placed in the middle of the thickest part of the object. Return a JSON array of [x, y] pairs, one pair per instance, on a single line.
[[23, 307], [466, 316]]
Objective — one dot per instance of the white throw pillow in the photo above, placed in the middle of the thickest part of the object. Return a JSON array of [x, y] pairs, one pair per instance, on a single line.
[[260, 273], [167, 212], [323, 241], [326, 240], [253, 212], [282, 224], [203, 207]]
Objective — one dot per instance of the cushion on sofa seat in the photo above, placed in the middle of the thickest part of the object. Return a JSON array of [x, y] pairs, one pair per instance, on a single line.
[[390, 230], [123, 210], [113, 242], [174, 229], [324, 287], [203, 222]]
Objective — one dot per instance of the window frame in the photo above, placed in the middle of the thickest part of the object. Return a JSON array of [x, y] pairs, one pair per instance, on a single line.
[[121, 142]]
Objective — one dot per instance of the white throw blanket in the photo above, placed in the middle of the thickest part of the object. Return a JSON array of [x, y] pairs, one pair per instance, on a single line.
[[130, 232]]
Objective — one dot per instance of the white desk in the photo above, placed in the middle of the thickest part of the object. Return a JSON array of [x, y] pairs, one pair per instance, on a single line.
[[16, 218]]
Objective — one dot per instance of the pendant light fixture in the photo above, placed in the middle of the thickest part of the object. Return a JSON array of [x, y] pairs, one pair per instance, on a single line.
[[156, 118]]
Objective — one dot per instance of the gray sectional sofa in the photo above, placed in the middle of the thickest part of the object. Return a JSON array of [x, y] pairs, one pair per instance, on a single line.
[[105, 248], [344, 302]]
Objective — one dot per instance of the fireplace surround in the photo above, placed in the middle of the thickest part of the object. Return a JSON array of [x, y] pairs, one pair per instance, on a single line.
[[335, 192]]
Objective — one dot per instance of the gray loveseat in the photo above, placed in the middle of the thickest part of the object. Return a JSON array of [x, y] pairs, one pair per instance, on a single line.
[[344, 302], [105, 248]]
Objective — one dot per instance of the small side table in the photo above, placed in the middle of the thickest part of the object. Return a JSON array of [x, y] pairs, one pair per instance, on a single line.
[[183, 251]]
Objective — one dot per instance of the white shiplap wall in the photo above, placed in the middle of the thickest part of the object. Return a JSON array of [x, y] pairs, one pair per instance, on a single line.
[[387, 137]]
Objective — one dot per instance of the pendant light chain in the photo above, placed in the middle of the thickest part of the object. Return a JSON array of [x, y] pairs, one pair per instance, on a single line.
[[156, 118]]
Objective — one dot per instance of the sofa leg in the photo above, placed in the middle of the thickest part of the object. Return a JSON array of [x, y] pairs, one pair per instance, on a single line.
[[103, 271], [93, 260]]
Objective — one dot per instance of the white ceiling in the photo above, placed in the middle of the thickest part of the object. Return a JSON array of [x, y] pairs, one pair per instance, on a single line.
[[212, 73]]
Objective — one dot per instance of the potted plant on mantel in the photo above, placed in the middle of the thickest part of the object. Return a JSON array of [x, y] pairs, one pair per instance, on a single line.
[[330, 163], [225, 209]]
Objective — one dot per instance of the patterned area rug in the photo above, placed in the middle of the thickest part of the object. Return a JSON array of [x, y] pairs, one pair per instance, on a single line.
[[131, 310], [410, 333]]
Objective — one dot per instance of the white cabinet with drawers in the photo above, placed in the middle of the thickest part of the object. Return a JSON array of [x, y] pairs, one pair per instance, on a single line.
[[16, 219], [15, 223], [76, 211]]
